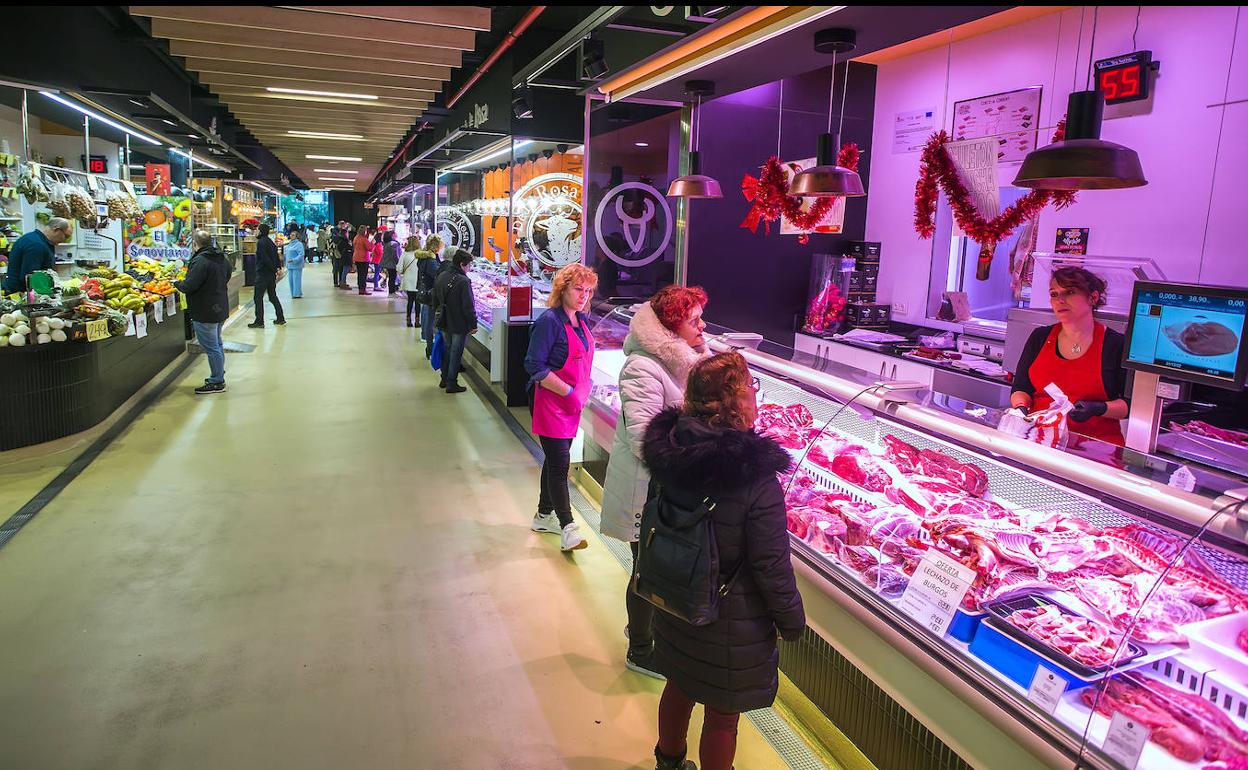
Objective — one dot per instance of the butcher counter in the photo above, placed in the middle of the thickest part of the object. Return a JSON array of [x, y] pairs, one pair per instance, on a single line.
[[891, 485]]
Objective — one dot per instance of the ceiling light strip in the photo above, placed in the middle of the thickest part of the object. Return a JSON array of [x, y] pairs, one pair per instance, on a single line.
[[333, 157], [101, 118], [304, 92]]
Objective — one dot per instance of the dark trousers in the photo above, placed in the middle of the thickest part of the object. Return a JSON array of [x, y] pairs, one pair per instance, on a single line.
[[336, 264], [719, 730], [554, 492], [267, 284], [392, 280], [640, 616], [452, 357], [361, 274], [413, 308]]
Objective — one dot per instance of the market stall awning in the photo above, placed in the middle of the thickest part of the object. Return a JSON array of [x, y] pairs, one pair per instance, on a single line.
[[329, 89]]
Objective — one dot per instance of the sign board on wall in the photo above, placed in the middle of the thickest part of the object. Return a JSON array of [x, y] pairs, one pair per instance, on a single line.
[[912, 128], [157, 176], [164, 230], [1010, 118], [976, 163], [1072, 240], [832, 222]]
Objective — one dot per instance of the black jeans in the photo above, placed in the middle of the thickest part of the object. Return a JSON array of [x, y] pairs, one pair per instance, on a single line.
[[266, 284], [640, 616], [413, 308], [361, 274], [337, 265], [392, 280], [554, 492], [452, 357]]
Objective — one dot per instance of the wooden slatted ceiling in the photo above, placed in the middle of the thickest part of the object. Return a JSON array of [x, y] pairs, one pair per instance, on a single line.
[[401, 54]]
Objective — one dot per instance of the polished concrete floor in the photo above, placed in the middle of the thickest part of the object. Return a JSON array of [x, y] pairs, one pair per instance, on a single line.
[[328, 566]]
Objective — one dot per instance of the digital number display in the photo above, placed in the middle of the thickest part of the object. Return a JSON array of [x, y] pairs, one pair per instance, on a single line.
[[96, 164], [1124, 78]]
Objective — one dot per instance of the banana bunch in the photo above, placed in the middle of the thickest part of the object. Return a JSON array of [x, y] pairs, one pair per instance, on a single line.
[[123, 293]]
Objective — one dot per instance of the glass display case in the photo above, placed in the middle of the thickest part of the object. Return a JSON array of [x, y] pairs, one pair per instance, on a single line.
[[1075, 597]]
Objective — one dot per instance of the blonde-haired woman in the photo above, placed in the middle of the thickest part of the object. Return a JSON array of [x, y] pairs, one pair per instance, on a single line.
[[426, 273], [559, 362]]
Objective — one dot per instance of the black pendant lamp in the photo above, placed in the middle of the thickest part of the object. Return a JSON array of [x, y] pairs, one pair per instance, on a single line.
[[827, 179], [1082, 160], [695, 184]]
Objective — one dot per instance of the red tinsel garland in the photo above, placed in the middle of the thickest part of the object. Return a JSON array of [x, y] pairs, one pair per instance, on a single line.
[[935, 168], [770, 199]]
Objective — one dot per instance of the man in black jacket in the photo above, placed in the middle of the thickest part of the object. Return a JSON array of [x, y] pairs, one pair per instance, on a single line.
[[267, 266], [208, 305], [342, 243], [452, 292]]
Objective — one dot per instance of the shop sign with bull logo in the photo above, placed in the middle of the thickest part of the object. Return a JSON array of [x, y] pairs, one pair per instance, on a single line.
[[549, 211]]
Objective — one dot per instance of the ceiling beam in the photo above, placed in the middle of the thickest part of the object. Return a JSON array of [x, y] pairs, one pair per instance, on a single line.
[[262, 82], [300, 22], [341, 126], [278, 40], [220, 66], [421, 75], [476, 18], [230, 92]]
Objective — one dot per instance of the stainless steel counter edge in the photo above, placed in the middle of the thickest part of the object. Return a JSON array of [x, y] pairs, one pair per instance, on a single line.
[[1179, 505]]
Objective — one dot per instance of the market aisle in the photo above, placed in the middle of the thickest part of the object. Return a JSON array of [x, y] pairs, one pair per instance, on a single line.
[[329, 566]]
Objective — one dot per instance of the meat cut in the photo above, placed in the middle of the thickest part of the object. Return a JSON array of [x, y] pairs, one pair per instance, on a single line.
[[1211, 431], [1242, 640], [968, 477], [1093, 644], [1203, 338]]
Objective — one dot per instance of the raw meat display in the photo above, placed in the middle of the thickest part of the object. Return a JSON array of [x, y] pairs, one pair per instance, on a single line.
[[1203, 338], [1093, 644], [1210, 431], [1242, 640], [1184, 724], [790, 426], [970, 478]]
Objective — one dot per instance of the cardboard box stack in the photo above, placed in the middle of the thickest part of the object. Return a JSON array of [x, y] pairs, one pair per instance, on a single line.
[[862, 311]]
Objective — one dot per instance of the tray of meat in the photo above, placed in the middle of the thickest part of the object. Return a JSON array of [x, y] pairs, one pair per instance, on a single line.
[[1082, 649]]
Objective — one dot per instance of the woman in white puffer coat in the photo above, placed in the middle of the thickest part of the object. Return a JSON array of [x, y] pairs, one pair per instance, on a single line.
[[664, 342]]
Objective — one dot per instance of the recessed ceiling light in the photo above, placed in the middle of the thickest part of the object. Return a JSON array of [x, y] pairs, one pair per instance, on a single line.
[[274, 90], [641, 144], [335, 179], [168, 122], [327, 135], [335, 171], [136, 102], [192, 136], [333, 157]]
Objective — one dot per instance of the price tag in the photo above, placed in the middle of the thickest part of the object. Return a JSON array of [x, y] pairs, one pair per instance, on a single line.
[[130, 332], [97, 330], [936, 590], [1046, 689], [171, 305], [1125, 740], [140, 325], [158, 312], [1183, 479]]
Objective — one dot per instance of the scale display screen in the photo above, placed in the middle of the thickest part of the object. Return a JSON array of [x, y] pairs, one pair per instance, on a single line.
[[1187, 332]]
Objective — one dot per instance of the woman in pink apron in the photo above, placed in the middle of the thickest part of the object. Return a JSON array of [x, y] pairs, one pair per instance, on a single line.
[[559, 362]]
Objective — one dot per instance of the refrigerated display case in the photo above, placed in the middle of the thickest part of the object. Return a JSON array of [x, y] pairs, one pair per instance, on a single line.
[[1054, 593]]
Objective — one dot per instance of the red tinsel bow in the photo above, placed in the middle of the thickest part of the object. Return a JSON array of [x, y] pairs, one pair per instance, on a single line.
[[769, 196], [936, 169]]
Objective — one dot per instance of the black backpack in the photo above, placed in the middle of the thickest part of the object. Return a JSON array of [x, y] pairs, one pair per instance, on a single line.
[[677, 567]]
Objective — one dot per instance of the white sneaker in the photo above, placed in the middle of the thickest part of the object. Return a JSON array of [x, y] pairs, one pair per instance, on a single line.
[[546, 522], [572, 540]]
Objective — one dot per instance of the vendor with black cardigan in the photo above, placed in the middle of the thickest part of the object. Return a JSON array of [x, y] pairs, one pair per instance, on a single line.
[[1079, 355]]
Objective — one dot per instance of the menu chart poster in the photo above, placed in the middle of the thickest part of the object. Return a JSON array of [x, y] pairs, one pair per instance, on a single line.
[[912, 128], [832, 222], [1011, 118], [976, 162], [1072, 241]]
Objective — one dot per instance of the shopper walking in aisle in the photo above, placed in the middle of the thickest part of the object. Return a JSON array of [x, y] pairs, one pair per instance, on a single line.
[[324, 239], [664, 342], [208, 305], [375, 250], [390, 262], [295, 252], [361, 247], [707, 450], [559, 361], [457, 317], [36, 250], [343, 248], [268, 264], [426, 277], [409, 270], [305, 239]]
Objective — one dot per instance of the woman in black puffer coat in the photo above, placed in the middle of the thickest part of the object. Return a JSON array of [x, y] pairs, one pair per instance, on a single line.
[[708, 448]]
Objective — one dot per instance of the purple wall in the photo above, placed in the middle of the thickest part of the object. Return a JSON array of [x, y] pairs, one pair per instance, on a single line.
[[759, 282]]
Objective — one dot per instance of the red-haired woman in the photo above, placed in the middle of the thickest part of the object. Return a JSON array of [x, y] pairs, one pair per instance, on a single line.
[[559, 362], [664, 342], [707, 449]]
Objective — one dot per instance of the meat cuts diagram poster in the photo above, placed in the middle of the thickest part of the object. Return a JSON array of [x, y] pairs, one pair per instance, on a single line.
[[1011, 118], [832, 222]]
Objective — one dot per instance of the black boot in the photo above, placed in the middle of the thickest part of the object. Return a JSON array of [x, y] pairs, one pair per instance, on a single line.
[[670, 763]]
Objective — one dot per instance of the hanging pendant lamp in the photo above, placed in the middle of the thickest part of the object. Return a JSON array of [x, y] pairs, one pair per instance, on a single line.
[[1082, 160], [827, 179], [695, 184]]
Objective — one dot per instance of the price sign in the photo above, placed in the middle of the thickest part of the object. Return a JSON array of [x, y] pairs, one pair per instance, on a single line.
[[130, 332], [1125, 740], [171, 305], [97, 330], [936, 590], [1046, 689], [158, 312], [140, 325]]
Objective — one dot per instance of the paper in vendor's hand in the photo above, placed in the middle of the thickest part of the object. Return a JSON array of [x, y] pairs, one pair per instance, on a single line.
[[1050, 427]]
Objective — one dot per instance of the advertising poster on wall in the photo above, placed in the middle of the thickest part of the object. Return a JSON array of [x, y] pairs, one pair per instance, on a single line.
[[157, 176], [832, 222], [1072, 241], [1010, 118], [164, 230]]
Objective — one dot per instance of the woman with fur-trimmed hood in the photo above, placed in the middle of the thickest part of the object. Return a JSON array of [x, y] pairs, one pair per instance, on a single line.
[[664, 342]]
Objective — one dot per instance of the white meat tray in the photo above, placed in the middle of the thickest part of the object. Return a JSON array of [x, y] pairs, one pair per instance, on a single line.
[[1214, 642]]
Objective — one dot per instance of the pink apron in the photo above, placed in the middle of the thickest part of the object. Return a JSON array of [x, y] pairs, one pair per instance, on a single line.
[[557, 416]]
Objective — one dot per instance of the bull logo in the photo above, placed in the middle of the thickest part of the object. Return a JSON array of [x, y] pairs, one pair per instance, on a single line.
[[635, 224]]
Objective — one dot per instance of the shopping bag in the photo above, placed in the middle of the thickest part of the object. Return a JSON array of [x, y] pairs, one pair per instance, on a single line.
[[1050, 427], [439, 345]]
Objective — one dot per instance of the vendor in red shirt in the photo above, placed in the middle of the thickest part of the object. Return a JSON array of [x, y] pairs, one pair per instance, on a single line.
[[1080, 355]]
